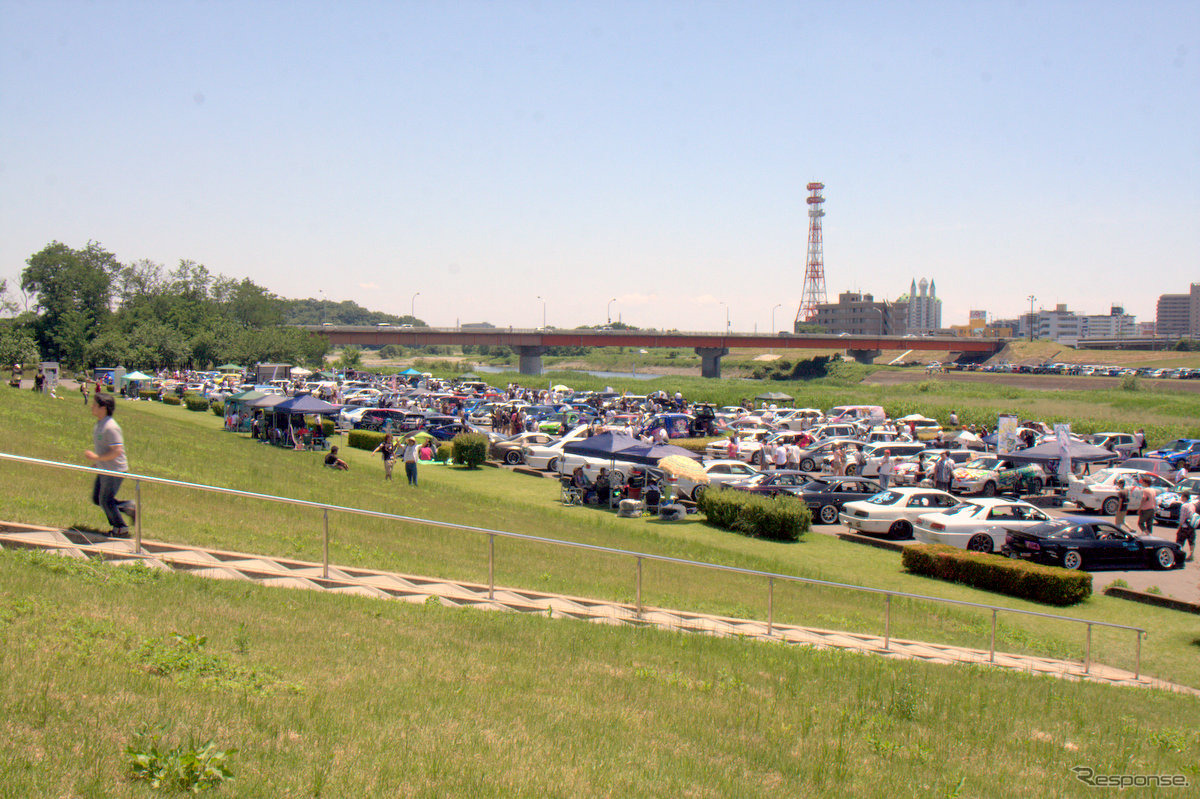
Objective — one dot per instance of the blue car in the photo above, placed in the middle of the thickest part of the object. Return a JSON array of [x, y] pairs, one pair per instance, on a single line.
[[1181, 450]]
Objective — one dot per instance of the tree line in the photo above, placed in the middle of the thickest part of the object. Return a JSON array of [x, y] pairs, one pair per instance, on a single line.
[[84, 308]]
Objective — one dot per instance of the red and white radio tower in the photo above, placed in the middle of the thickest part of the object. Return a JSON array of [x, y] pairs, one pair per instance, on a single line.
[[814, 273]]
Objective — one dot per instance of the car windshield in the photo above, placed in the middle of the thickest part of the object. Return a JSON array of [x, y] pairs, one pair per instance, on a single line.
[[983, 463], [885, 498], [963, 511], [1178, 446]]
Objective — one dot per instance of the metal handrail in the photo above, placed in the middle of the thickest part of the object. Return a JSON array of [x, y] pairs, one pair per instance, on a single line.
[[325, 507]]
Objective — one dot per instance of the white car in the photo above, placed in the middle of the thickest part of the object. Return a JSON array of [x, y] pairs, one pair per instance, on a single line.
[[351, 414], [979, 525], [893, 512], [546, 456], [898, 449], [719, 473], [1099, 491], [747, 440]]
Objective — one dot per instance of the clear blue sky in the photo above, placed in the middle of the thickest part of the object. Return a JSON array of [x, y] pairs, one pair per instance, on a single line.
[[483, 153]]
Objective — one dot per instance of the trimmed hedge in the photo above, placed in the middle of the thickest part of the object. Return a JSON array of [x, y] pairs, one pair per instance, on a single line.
[[218, 408], [782, 518], [171, 399], [445, 452], [469, 449], [195, 403], [365, 439], [1048, 584]]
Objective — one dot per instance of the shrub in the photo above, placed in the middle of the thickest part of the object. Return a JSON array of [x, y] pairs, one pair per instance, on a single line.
[[189, 767], [171, 399], [469, 449], [1049, 584], [218, 408], [782, 518], [328, 428], [364, 439], [195, 403], [445, 452]]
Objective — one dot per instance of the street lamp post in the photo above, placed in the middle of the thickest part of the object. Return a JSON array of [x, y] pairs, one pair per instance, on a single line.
[[540, 297], [412, 310], [1031, 299], [322, 293], [609, 314], [726, 317], [772, 330]]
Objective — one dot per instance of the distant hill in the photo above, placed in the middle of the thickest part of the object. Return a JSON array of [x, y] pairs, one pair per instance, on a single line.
[[348, 312]]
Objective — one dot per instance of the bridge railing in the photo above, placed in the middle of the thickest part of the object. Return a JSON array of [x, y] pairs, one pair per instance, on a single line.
[[636, 557]]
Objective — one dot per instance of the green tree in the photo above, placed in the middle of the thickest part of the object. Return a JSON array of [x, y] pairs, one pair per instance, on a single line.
[[16, 345], [351, 358], [72, 290]]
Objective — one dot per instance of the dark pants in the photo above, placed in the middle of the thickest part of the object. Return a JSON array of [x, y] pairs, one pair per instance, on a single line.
[[104, 494], [410, 471]]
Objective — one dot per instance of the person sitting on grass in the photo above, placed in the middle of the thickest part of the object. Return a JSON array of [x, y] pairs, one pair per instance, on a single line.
[[334, 462]]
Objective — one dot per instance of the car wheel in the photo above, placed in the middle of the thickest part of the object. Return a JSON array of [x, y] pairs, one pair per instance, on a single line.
[[989, 489], [828, 514], [851, 469], [1164, 558], [552, 466], [1110, 506], [900, 529], [980, 543], [1072, 560], [617, 478], [698, 492], [1034, 486], [807, 465], [512, 457], [756, 459]]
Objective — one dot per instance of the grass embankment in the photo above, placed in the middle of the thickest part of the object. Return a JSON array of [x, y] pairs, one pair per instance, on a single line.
[[326, 695], [173, 442]]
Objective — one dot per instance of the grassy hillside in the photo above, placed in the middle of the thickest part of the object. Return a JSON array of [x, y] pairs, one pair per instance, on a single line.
[[327, 695], [173, 442]]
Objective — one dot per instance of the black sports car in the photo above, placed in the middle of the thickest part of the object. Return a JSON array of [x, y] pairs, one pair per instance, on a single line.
[[1079, 542], [826, 495]]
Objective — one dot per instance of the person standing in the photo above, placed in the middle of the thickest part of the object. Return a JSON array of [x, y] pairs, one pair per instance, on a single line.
[[83, 391], [781, 456], [1139, 441], [885, 469], [108, 453], [1122, 504], [943, 473], [388, 449], [1146, 514], [1188, 517], [410, 460]]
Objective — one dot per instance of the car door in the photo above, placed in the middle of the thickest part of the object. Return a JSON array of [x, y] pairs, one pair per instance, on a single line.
[[1114, 547]]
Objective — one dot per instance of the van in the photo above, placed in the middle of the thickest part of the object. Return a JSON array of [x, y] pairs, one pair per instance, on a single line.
[[869, 414]]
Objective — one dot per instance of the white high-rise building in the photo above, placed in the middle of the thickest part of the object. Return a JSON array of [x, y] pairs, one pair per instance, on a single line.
[[924, 308]]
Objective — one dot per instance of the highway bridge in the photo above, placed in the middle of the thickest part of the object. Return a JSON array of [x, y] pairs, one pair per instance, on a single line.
[[531, 345]]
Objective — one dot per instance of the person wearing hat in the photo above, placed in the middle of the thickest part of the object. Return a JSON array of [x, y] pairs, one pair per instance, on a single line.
[[1188, 518], [410, 460]]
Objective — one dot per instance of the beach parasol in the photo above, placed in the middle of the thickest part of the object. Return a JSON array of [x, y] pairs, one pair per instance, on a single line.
[[679, 466]]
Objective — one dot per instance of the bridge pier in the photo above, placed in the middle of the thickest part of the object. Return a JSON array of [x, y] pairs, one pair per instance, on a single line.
[[530, 359], [864, 356], [710, 360]]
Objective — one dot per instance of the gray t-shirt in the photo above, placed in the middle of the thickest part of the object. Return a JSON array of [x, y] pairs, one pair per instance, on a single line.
[[106, 435]]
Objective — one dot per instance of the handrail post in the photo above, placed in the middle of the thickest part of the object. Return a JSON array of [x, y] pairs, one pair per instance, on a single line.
[[770, 605], [325, 561], [491, 565], [992, 652], [1137, 672], [137, 516], [887, 622], [639, 586], [1087, 656]]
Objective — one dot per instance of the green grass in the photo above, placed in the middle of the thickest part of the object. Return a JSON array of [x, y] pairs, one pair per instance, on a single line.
[[172, 442], [325, 695]]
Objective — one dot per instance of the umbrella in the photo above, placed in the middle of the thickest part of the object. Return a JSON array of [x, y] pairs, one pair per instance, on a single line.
[[773, 396], [1051, 451], [410, 372], [683, 467], [968, 439], [137, 376], [300, 371], [229, 367], [564, 389], [305, 403]]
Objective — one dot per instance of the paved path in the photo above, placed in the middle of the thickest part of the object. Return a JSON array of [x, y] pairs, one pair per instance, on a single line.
[[221, 564]]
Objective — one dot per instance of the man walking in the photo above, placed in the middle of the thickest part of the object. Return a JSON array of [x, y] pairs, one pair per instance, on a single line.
[[885, 469], [1146, 514], [108, 453], [410, 460]]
